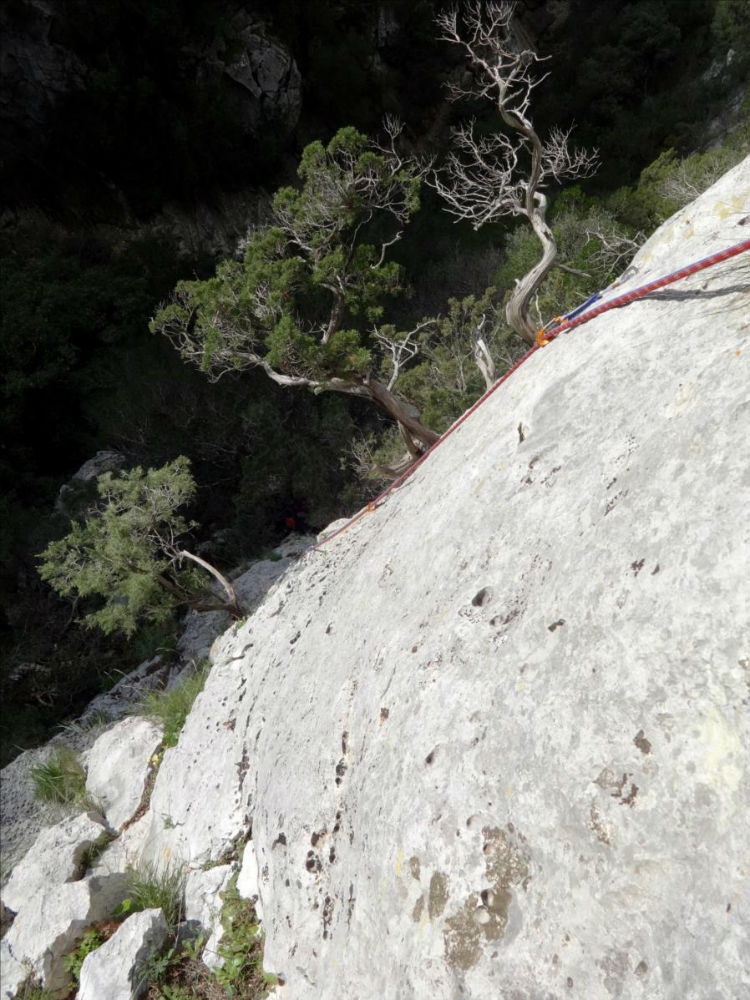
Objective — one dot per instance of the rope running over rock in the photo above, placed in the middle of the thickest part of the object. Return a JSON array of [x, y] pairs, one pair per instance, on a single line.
[[566, 323]]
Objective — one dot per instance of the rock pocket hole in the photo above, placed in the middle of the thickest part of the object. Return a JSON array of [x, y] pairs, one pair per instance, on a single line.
[[484, 596]]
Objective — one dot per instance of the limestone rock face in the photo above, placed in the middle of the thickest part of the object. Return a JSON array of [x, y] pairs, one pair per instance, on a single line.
[[35, 71], [251, 586], [115, 970], [203, 902], [49, 924], [118, 766], [55, 857], [266, 82], [492, 741]]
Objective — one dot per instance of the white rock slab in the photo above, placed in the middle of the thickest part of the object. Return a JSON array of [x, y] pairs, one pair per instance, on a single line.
[[55, 857], [115, 970], [203, 902], [118, 766], [48, 925], [248, 885], [492, 741]]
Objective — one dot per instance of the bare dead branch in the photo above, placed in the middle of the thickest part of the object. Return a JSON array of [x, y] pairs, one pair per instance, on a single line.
[[486, 177]]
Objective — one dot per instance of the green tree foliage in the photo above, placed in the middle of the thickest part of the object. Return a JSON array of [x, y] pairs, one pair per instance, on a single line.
[[126, 553], [446, 378], [300, 302], [731, 27]]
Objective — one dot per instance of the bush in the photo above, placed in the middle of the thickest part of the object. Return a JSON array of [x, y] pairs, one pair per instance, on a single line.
[[90, 941]]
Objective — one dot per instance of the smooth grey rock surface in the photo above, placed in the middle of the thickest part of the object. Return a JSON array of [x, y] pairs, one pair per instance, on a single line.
[[251, 586], [492, 741], [115, 970], [247, 880], [55, 857], [203, 902], [47, 927], [118, 765]]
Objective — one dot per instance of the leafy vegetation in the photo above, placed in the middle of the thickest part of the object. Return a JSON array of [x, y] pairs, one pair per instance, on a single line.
[[91, 940], [172, 706], [311, 283], [126, 552], [32, 989], [61, 778], [179, 974]]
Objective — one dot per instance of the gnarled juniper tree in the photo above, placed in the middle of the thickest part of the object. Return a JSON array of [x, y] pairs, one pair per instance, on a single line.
[[489, 176], [302, 302], [126, 553]]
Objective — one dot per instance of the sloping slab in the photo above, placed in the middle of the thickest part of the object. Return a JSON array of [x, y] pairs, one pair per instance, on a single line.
[[492, 741]]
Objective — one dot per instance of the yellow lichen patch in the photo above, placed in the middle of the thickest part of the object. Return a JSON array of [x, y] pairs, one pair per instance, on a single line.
[[723, 750], [399, 862], [736, 203], [688, 230]]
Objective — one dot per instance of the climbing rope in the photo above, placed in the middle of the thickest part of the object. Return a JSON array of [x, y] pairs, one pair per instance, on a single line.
[[576, 317]]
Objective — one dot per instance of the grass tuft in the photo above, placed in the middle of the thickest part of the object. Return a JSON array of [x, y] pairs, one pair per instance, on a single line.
[[173, 706], [61, 778], [151, 887]]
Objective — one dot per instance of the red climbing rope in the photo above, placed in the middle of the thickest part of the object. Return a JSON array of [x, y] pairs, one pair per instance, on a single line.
[[652, 286], [542, 339]]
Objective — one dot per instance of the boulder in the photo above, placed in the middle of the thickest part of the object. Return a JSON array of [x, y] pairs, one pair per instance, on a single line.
[[203, 902], [118, 767], [75, 496], [47, 927], [22, 815], [125, 850], [127, 693], [59, 854], [102, 461], [492, 740], [115, 970]]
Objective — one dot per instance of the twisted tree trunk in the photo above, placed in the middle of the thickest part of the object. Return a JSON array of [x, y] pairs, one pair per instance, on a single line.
[[517, 308], [401, 412]]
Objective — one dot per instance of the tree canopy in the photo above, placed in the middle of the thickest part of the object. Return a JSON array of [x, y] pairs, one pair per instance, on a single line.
[[126, 553], [304, 301]]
